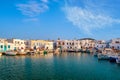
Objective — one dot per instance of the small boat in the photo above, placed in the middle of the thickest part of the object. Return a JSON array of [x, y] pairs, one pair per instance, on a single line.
[[10, 53], [113, 58], [30, 53], [21, 52], [45, 52], [87, 51], [95, 54], [103, 56], [70, 50], [118, 59]]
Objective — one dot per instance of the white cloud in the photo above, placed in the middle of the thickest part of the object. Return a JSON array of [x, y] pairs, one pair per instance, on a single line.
[[86, 19], [32, 8]]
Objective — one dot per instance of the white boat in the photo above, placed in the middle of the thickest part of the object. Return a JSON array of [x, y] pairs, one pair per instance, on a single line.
[[118, 59], [21, 52], [11, 53], [102, 56], [113, 57]]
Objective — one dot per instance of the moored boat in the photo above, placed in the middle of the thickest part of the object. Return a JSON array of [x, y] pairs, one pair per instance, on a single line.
[[95, 54], [10, 53], [21, 52], [113, 58], [103, 56]]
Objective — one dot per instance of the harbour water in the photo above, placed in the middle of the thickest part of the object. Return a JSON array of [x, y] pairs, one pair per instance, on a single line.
[[65, 66]]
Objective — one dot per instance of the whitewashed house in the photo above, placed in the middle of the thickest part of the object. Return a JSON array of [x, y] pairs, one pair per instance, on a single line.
[[68, 44], [18, 43], [5, 45], [100, 44], [115, 43]]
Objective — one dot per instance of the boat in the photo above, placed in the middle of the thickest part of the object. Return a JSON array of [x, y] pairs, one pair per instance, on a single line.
[[30, 53], [70, 50], [45, 52], [87, 51], [103, 56], [95, 54], [10, 53], [118, 59], [113, 58], [21, 52]]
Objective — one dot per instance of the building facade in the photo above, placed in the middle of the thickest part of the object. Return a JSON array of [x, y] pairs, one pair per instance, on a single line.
[[100, 44], [18, 43], [5, 45], [115, 43], [41, 44]]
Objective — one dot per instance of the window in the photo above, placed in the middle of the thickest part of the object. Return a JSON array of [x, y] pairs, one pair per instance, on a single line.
[[63, 43], [8, 46], [72, 43], [1, 46], [118, 47], [59, 43], [67, 43]]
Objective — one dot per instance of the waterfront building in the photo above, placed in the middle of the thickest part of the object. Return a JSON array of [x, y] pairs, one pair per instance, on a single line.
[[87, 42], [5, 45], [18, 43], [100, 44], [68, 44], [41, 44], [115, 43]]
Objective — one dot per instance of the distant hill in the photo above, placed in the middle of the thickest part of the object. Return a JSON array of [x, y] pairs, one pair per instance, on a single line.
[[86, 39]]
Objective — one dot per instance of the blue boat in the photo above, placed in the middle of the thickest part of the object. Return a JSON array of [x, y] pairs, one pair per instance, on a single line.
[[113, 58]]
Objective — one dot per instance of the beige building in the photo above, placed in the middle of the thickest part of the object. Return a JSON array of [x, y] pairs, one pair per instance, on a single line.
[[87, 42], [76, 44], [41, 44], [68, 44]]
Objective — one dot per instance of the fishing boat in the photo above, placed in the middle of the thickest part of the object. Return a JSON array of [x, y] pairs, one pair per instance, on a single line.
[[21, 52], [10, 53], [30, 53], [95, 54], [103, 56], [113, 58], [70, 50]]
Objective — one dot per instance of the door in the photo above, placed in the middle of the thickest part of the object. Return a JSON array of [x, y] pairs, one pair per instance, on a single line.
[[5, 48]]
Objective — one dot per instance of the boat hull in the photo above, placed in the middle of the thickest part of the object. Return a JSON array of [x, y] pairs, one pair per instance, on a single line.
[[10, 53], [112, 59], [102, 57]]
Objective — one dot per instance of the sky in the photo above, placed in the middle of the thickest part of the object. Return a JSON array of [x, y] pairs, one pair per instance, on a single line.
[[64, 19]]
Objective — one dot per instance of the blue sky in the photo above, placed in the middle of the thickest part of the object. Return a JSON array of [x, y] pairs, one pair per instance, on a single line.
[[67, 19]]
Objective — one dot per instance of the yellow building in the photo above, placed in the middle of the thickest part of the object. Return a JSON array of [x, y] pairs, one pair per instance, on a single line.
[[41, 44]]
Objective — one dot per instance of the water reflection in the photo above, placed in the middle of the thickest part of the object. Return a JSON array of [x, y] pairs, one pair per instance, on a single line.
[[65, 66]]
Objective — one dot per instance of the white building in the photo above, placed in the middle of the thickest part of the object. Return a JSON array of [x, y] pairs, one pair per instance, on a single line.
[[68, 44], [18, 43], [115, 43], [100, 44], [87, 42], [5, 45], [40, 44]]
